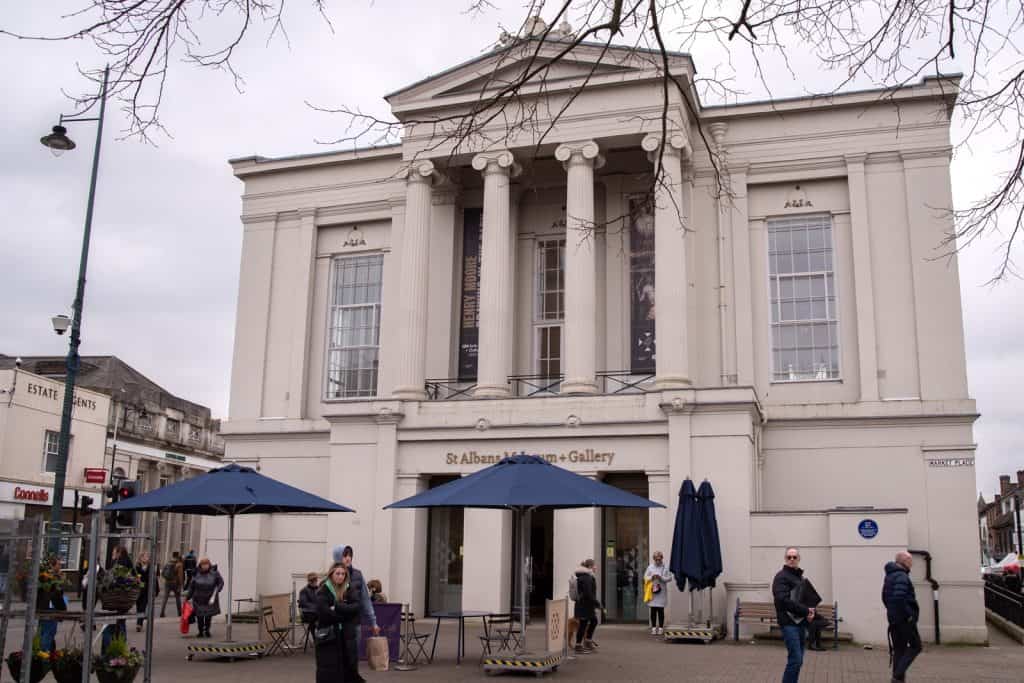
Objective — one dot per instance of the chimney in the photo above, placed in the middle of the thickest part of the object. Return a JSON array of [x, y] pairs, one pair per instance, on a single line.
[[1004, 483], [998, 498], [1020, 478]]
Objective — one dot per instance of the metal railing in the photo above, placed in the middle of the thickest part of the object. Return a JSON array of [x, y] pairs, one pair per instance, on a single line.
[[535, 385], [527, 386], [1004, 602], [624, 382], [452, 389]]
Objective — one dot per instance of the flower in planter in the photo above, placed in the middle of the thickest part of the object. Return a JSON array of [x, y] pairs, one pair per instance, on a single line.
[[66, 664], [118, 656], [40, 662], [120, 578]]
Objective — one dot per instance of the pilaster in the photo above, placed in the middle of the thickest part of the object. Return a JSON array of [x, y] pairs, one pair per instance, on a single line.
[[867, 352], [298, 377], [671, 219], [409, 543]]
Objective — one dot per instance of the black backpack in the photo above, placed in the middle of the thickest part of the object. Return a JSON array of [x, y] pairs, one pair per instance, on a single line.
[[169, 573]]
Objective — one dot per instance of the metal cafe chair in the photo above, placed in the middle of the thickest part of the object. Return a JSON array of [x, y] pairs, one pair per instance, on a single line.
[[414, 645], [500, 630], [308, 626], [277, 634]]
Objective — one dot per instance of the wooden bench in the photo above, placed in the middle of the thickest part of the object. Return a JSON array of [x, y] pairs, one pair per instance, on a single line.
[[764, 613]]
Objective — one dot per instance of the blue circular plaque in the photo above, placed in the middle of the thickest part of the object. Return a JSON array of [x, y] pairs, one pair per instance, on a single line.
[[868, 528]]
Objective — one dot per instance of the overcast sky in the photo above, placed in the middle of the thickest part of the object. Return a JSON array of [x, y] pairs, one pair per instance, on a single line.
[[163, 271]]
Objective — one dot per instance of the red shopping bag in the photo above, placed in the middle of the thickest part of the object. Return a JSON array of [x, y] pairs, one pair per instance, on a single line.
[[186, 615]]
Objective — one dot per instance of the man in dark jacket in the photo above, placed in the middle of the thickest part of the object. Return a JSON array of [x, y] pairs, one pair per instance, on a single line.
[[902, 611], [343, 553], [307, 598], [792, 616]]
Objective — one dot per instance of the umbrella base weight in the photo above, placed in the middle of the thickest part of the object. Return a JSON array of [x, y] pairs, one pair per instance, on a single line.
[[232, 651], [702, 633], [534, 663]]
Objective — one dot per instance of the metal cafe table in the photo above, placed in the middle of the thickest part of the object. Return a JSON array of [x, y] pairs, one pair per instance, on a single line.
[[461, 616]]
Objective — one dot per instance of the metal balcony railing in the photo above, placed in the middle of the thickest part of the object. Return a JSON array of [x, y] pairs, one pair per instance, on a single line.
[[528, 386], [451, 389]]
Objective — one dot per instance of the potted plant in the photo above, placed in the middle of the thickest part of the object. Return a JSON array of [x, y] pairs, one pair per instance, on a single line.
[[119, 588], [49, 579], [40, 664], [66, 665], [119, 663]]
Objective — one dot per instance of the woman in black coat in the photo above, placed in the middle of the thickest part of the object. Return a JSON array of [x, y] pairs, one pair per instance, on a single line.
[[337, 607]]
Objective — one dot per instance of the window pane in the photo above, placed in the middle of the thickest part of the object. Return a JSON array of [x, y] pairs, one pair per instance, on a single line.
[[804, 316], [354, 334]]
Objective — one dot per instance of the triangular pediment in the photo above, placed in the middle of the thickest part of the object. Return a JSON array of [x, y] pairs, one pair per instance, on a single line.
[[585, 64]]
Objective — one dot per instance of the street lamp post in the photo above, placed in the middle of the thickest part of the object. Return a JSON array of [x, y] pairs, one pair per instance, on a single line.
[[59, 142]]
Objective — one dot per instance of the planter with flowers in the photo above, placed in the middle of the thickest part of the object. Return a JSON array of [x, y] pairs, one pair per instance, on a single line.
[[119, 588], [66, 665], [50, 578], [40, 664], [119, 663]]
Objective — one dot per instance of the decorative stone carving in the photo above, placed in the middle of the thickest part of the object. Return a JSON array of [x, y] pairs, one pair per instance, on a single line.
[[355, 238], [579, 152], [676, 141], [483, 424], [573, 421], [797, 199]]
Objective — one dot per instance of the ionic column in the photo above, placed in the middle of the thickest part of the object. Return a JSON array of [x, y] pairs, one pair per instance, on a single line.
[[671, 216], [496, 317], [580, 159], [412, 298]]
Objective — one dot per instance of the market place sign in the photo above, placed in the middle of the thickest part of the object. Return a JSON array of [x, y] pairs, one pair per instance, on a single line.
[[574, 456]]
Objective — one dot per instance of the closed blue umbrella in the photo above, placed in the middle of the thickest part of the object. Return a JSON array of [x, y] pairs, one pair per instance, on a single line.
[[686, 560], [711, 548], [521, 483], [230, 490]]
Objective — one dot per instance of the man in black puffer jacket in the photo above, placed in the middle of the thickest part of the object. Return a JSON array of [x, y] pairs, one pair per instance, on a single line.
[[792, 616], [902, 611]]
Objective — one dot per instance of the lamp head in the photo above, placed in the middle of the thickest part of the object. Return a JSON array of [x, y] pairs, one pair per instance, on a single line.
[[58, 141], [61, 323]]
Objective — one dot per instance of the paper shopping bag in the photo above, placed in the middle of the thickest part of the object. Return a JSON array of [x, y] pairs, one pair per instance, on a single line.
[[377, 653]]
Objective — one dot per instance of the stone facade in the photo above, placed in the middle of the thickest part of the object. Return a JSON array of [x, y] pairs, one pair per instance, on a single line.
[[825, 397]]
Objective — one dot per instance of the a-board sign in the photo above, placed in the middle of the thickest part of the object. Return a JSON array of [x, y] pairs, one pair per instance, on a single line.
[[557, 613]]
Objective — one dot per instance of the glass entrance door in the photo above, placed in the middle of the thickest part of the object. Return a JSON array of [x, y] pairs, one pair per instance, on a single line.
[[444, 557], [625, 554]]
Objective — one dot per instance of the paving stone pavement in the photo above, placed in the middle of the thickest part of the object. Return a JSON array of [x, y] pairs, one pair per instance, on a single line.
[[626, 653]]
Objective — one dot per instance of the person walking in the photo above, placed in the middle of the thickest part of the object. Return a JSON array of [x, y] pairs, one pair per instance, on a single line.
[[660, 577], [586, 606], [146, 574], [190, 568], [902, 611], [376, 589], [337, 608], [344, 554], [204, 592], [49, 597], [173, 575], [791, 615]]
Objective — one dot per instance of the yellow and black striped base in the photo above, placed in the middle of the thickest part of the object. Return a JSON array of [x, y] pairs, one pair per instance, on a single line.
[[231, 650], [538, 664], [702, 633]]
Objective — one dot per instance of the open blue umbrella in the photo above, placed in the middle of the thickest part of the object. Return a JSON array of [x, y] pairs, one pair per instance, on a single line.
[[522, 483], [230, 490], [687, 559], [711, 548]]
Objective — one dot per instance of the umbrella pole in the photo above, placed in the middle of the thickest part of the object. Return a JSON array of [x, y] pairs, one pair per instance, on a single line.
[[522, 575], [231, 562]]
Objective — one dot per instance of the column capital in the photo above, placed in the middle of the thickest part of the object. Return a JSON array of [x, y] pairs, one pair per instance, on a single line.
[[499, 161], [579, 152], [677, 142], [718, 130], [307, 213], [422, 171], [855, 159]]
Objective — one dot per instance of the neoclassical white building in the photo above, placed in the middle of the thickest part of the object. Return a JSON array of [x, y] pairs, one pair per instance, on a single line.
[[408, 314]]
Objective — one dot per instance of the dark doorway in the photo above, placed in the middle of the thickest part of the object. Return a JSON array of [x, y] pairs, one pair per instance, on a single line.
[[540, 579], [444, 555]]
